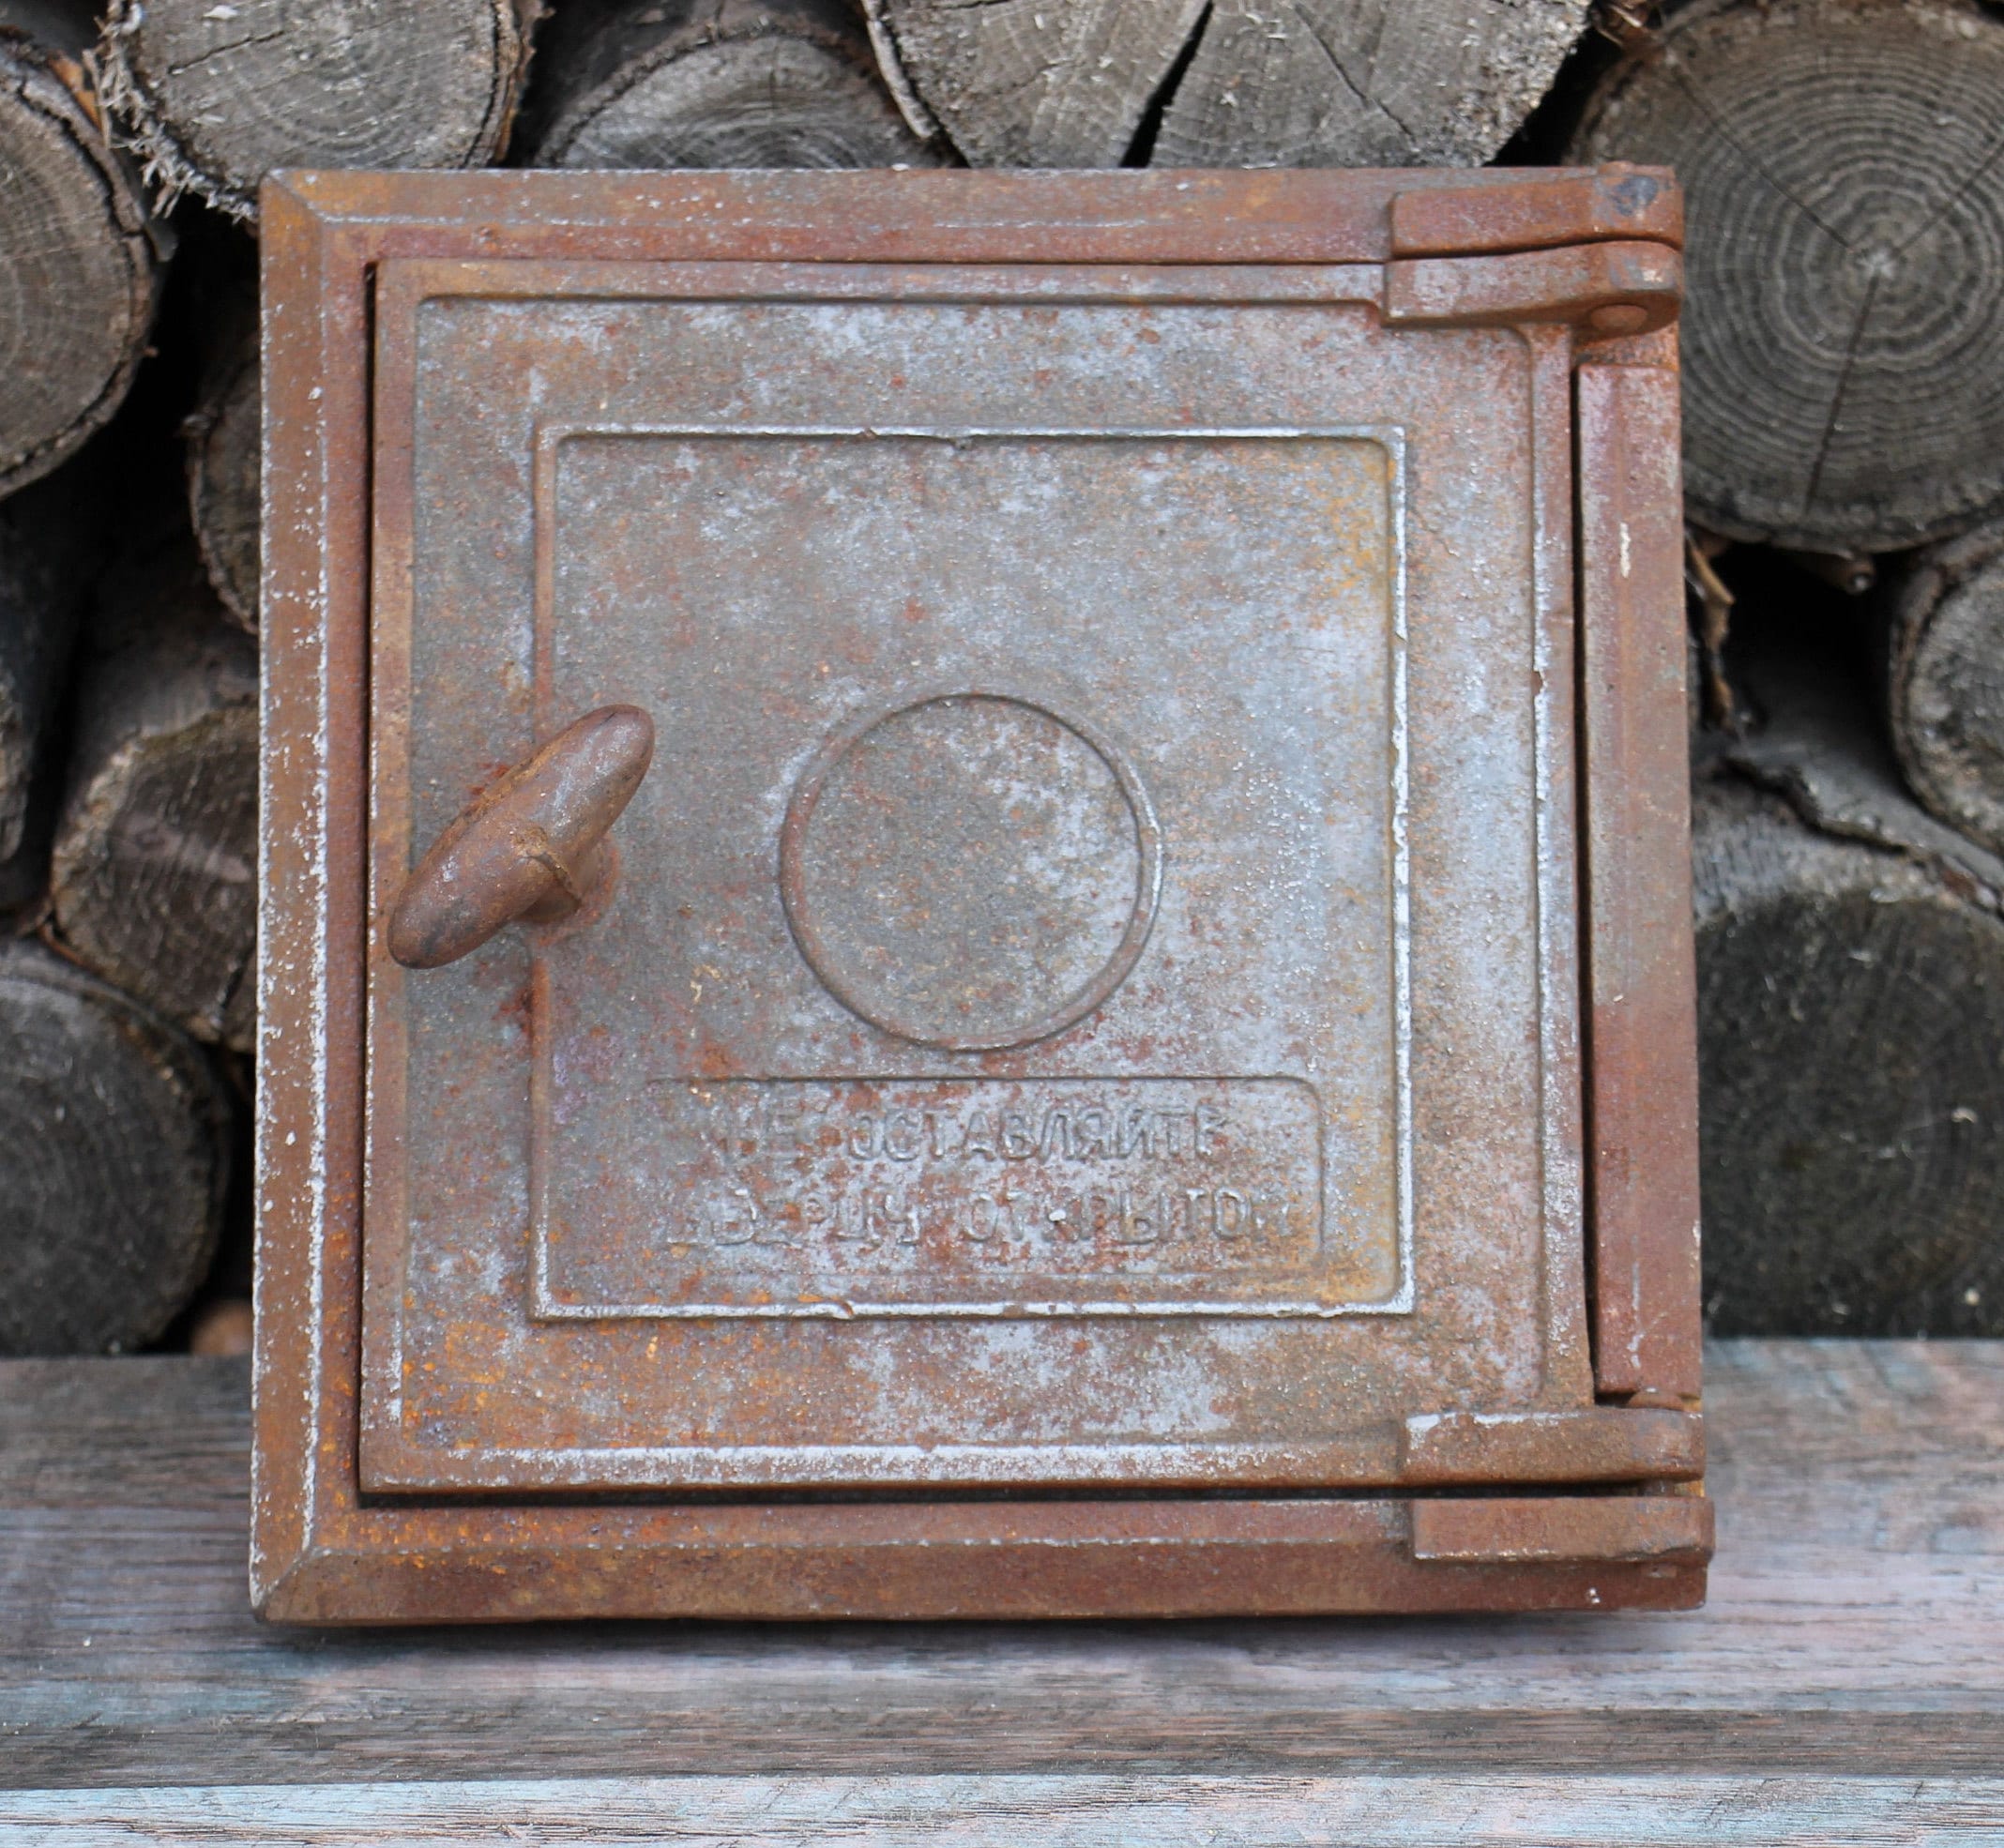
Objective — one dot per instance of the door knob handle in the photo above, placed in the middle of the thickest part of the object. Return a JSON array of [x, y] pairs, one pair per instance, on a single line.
[[529, 847]]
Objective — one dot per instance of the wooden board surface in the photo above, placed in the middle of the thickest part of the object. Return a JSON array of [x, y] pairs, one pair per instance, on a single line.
[[1854, 1640], [1428, 1811]]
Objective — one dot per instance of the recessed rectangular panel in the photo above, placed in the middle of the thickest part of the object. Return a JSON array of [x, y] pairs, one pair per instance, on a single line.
[[926, 803]]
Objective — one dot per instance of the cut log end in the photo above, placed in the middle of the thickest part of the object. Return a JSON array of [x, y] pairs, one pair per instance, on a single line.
[[1021, 84], [1843, 359], [224, 476], [1229, 82], [52, 534], [154, 881], [1851, 1002], [1945, 682], [81, 270], [114, 1138], [215, 98], [1390, 83], [43, 587], [716, 84]]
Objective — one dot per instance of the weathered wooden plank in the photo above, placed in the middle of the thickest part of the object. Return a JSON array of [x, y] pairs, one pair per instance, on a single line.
[[1425, 1812], [1856, 1631]]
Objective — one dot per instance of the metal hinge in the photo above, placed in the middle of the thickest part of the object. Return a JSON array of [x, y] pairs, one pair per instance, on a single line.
[[1608, 289]]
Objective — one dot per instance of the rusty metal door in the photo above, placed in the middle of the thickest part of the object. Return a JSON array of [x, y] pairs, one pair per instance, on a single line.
[[1088, 994]]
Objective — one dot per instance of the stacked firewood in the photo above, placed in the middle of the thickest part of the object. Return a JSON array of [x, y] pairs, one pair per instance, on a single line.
[[1843, 472], [1845, 464]]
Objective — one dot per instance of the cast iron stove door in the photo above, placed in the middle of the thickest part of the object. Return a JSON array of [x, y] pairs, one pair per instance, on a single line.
[[1088, 992]]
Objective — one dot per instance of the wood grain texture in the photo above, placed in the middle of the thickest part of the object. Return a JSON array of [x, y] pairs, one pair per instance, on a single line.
[[1850, 997], [713, 84], [1944, 666], [1843, 329], [1813, 739], [78, 268], [216, 96], [1035, 82], [44, 584], [114, 1158], [152, 881], [224, 471], [1856, 1631], [1364, 83], [1852, 1168], [1426, 1810]]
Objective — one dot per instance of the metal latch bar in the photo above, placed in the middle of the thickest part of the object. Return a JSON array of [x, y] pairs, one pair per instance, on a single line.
[[1590, 1528], [1616, 201]]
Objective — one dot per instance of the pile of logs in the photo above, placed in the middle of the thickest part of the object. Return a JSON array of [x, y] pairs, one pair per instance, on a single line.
[[1845, 470]]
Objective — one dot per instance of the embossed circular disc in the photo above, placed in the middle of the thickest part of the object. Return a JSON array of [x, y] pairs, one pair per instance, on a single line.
[[970, 870]]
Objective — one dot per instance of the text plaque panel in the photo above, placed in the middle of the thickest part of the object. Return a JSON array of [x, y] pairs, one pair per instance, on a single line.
[[1009, 1193]]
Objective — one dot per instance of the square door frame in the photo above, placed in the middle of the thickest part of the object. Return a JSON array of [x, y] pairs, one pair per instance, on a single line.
[[1586, 263]]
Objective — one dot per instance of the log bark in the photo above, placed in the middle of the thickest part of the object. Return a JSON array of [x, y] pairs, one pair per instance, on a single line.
[[1843, 350], [76, 250], [1944, 661], [114, 1149], [216, 96], [713, 84], [224, 471], [1226, 83], [44, 586], [154, 881], [1851, 1002]]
